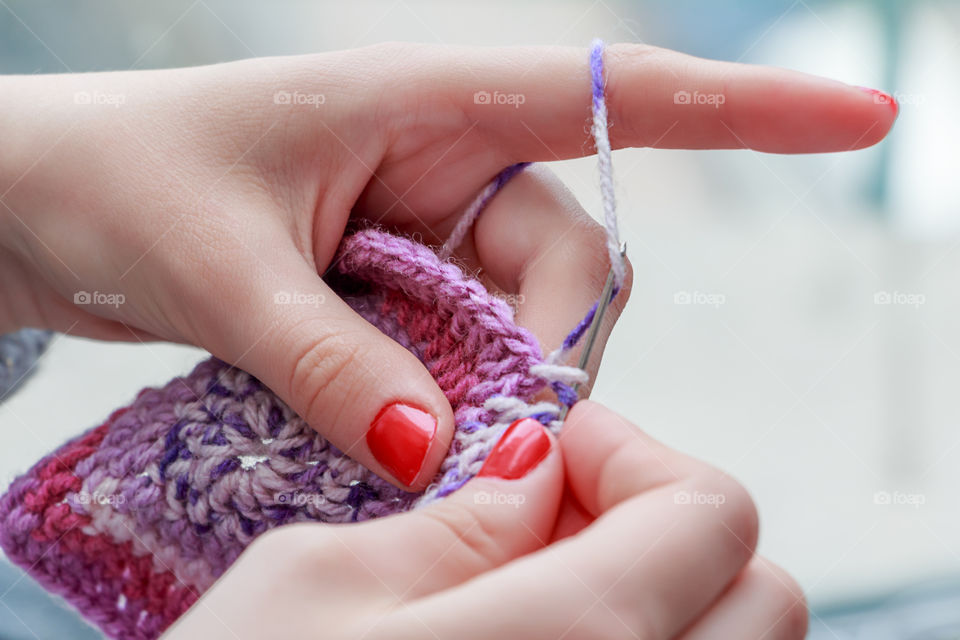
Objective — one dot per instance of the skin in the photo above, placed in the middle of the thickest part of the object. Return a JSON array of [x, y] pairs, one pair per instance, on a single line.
[[200, 198], [595, 542]]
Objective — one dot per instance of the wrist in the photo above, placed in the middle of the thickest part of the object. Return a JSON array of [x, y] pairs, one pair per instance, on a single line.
[[25, 114], [20, 151], [38, 123]]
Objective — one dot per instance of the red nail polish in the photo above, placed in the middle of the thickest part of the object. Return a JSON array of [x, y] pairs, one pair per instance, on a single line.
[[399, 438], [521, 448], [882, 97]]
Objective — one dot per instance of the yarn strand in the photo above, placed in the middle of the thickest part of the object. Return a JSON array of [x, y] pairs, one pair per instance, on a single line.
[[561, 377], [615, 249], [477, 206], [601, 138]]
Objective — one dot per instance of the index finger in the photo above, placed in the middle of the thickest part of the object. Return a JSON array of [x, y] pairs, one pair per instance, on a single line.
[[533, 101], [656, 559], [609, 460]]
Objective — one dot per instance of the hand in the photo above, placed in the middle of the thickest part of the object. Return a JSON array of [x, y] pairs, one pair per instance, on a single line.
[[610, 535], [199, 194]]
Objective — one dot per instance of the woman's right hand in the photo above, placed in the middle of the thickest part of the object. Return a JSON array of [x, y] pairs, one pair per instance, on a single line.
[[605, 533]]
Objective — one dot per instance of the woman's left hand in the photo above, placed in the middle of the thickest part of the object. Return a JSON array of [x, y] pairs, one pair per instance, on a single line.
[[193, 198], [604, 534]]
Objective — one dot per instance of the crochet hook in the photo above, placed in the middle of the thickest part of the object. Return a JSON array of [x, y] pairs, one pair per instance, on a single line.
[[605, 297]]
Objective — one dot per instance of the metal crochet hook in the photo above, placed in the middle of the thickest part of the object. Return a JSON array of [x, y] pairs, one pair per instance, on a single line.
[[594, 329]]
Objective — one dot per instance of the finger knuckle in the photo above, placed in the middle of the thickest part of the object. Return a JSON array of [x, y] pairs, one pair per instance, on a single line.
[[400, 67], [591, 250], [289, 548], [404, 88], [633, 623], [789, 605], [274, 539], [592, 255], [612, 620], [476, 539], [626, 63], [322, 379], [737, 510], [634, 53], [631, 469], [621, 300], [391, 50]]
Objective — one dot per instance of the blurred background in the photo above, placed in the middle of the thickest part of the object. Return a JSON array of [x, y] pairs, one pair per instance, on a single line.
[[795, 319]]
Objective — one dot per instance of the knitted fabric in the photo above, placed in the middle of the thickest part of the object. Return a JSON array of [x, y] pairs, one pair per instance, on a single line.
[[132, 521]]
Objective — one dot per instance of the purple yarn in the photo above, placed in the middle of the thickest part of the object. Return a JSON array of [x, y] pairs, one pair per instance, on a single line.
[[565, 393], [504, 176], [476, 207], [499, 182], [574, 336], [596, 72]]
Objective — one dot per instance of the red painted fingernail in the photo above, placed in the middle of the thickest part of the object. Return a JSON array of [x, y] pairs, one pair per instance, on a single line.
[[882, 97], [399, 438], [521, 448]]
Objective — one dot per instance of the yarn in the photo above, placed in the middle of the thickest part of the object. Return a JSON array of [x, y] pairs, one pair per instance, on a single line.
[[476, 207], [601, 139], [132, 521], [18, 353]]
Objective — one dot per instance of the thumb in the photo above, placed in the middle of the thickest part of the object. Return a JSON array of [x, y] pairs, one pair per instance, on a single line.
[[507, 511], [364, 392]]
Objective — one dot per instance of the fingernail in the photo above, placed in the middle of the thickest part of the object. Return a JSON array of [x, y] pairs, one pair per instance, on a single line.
[[521, 448], [399, 438], [882, 97]]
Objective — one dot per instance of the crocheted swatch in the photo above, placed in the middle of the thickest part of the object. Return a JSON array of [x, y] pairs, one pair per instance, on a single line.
[[133, 520]]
